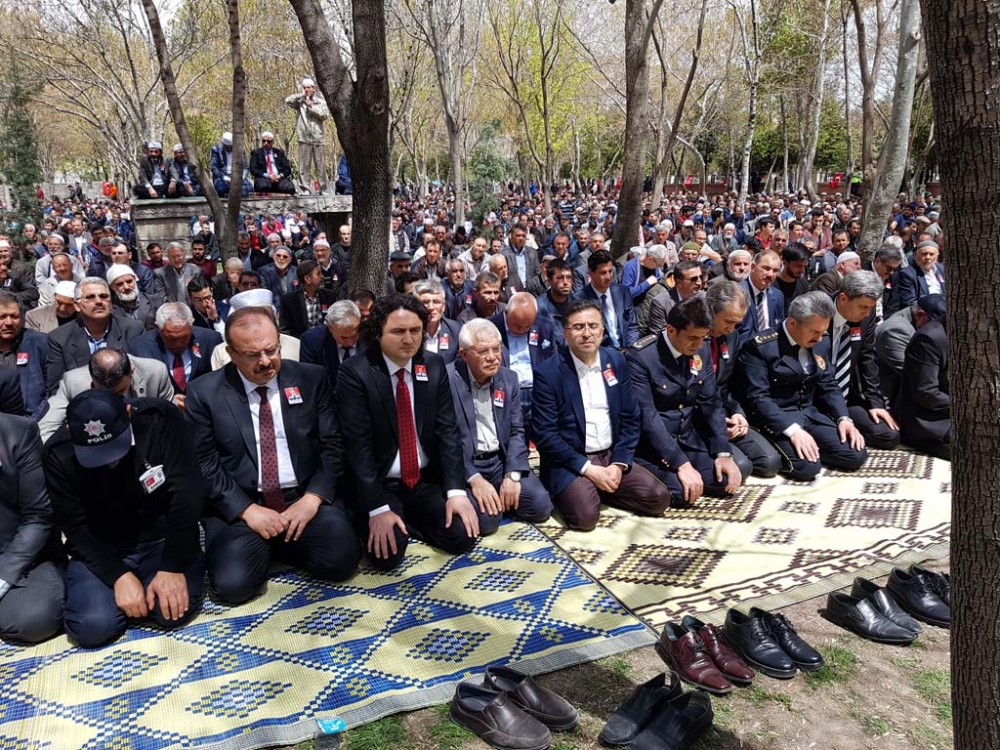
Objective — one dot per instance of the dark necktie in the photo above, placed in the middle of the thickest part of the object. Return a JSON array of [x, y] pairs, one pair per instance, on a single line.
[[345, 353], [612, 334], [177, 372], [844, 359], [409, 462], [270, 483], [761, 311]]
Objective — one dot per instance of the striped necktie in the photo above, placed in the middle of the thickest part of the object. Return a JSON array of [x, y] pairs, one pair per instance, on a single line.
[[761, 311], [843, 371]]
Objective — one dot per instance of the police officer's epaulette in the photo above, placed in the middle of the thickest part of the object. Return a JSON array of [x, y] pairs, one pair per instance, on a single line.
[[645, 341], [765, 337]]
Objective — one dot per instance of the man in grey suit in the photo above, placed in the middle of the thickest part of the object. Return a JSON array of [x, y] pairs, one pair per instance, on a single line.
[[892, 337], [173, 278], [111, 370]]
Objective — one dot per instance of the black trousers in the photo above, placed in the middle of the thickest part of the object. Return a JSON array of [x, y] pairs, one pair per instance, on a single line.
[[765, 460], [264, 185], [832, 452], [534, 504], [876, 435]]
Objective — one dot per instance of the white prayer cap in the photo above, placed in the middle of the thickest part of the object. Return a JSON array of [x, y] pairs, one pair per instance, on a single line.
[[66, 289], [848, 256], [321, 243], [251, 298], [4, 243], [154, 144], [117, 271], [178, 147], [227, 139], [740, 254], [308, 82]]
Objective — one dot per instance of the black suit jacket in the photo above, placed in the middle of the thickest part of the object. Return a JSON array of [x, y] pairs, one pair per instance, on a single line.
[[923, 408], [729, 349], [68, 347], [258, 163], [294, 318], [11, 399], [218, 414], [320, 348], [202, 345], [447, 338], [628, 327], [26, 520], [366, 402], [865, 389]]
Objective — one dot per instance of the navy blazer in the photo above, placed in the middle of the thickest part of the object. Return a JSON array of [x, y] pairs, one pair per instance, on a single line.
[[624, 313], [775, 309], [507, 417], [32, 369], [729, 352], [542, 339], [455, 302], [11, 400], [318, 347], [559, 422], [202, 345], [217, 412], [911, 284], [366, 403], [447, 337]]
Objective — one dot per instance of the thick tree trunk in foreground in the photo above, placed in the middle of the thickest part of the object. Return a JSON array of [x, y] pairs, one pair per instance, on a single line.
[[963, 51]]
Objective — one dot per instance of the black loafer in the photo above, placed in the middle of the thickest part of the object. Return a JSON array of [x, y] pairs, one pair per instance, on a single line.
[[494, 718], [805, 656], [751, 638], [678, 725], [860, 616], [550, 709], [940, 581], [884, 603], [916, 594], [644, 705]]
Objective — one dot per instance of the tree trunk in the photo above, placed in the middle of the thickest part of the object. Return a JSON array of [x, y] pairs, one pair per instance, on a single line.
[[849, 166], [892, 160], [361, 111], [868, 70], [748, 141], [963, 46], [784, 143], [231, 226], [808, 159]]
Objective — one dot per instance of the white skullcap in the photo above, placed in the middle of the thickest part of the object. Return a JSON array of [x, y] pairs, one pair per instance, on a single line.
[[227, 139], [178, 147], [321, 243], [689, 223], [740, 254], [251, 298], [154, 144], [849, 255], [117, 271], [286, 233], [66, 289], [308, 82], [267, 134], [4, 243]]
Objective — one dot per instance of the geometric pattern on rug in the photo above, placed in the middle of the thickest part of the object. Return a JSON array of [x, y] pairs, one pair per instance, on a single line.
[[260, 673], [773, 543]]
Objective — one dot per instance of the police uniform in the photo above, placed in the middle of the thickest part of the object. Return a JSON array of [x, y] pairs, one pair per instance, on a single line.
[[683, 418], [784, 385]]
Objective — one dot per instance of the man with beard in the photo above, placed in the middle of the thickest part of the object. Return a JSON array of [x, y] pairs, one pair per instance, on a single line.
[[129, 300], [154, 256], [154, 175], [736, 268], [791, 281], [199, 258], [183, 180]]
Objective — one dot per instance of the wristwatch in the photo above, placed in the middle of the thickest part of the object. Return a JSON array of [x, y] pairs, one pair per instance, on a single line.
[[845, 418], [723, 455], [514, 476]]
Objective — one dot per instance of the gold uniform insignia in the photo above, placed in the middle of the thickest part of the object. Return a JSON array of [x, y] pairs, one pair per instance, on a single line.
[[820, 362]]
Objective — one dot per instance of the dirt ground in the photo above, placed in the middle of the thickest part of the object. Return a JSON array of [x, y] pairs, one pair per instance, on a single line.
[[870, 697]]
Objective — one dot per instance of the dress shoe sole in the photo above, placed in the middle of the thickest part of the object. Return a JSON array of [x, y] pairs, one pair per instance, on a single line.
[[848, 625], [809, 667], [564, 727], [457, 718], [778, 674], [666, 656], [946, 624]]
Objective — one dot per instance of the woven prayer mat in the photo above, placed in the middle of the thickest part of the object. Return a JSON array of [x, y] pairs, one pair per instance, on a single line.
[[773, 543], [258, 674]]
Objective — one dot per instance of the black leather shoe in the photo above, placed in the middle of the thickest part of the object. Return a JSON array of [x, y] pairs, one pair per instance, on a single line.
[[751, 638], [860, 616], [916, 594], [805, 656], [884, 603], [494, 718], [940, 581], [678, 725], [644, 705], [550, 709]]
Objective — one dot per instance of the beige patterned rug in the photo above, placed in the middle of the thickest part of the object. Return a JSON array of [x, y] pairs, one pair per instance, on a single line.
[[773, 543]]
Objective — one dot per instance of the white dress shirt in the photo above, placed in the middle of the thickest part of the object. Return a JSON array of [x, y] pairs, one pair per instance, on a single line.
[[933, 282], [286, 473], [595, 407]]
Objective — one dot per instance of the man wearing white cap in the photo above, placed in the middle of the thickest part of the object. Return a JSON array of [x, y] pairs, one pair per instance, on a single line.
[[829, 282], [127, 299], [183, 176], [221, 163], [311, 113], [256, 298], [269, 167], [154, 174], [62, 310]]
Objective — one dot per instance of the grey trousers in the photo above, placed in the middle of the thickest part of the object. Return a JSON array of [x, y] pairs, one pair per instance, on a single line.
[[312, 156]]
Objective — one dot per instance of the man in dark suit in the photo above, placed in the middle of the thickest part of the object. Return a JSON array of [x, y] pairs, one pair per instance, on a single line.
[[330, 345], [441, 333], [31, 577], [620, 327], [789, 393], [684, 440], [522, 261], [924, 404], [95, 328], [11, 400], [269, 168], [306, 306], [185, 349], [154, 173], [485, 299], [767, 304], [173, 278], [494, 446], [586, 424], [925, 276], [893, 336], [403, 443], [208, 312], [887, 260], [728, 301], [852, 337], [266, 435], [24, 358]]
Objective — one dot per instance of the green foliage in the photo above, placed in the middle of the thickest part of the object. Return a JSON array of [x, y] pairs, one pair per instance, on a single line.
[[204, 133], [487, 166], [831, 151], [19, 151]]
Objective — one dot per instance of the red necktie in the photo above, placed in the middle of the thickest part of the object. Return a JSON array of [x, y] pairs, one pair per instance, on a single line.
[[177, 372], [409, 463], [715, 354], [270, 484]]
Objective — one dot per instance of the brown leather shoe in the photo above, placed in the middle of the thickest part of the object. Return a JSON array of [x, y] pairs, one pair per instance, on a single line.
[[495, 719], [686, 653], [727, 660], [552, 710]]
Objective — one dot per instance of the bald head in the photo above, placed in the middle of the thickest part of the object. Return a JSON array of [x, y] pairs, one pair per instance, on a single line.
[[520, 313]]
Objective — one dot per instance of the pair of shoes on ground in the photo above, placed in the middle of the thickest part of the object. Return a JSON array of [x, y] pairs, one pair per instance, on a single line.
[[871, 612], [695, 651], [923, 593], [659, 715], [509, 710], [768, 643]]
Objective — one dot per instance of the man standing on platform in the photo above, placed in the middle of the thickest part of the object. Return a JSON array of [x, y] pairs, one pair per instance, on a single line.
[[310, 114]]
